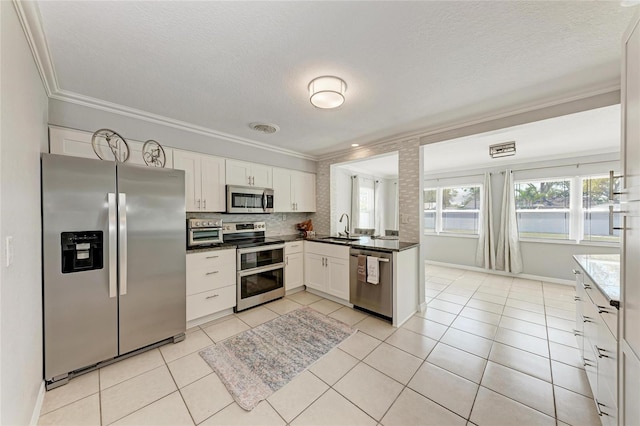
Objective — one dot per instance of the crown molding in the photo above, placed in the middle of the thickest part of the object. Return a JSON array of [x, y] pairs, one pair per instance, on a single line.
[[29, 16]]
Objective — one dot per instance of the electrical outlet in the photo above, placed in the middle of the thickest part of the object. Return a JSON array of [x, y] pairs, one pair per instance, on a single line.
[[284, 217], [9, 251]]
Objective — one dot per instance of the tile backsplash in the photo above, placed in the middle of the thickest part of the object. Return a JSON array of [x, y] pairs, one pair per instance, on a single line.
[[277, 223]]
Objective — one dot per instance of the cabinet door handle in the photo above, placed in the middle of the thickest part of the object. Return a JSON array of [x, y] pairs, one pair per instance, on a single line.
[[576, 298], [586, 286], [576, 332], [295, 245], [600, 412], [211, 297], [599, 351], [211, 273], [576, 272], [204, 204], [286, 261], [212, 257], [198, 203], [586, 319], [587, 363], [602, 309]]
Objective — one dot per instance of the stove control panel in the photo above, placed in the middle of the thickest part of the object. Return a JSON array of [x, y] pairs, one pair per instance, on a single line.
[[230, 228]]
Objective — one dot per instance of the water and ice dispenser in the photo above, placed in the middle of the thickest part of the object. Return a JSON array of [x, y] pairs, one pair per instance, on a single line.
[[81, 251]]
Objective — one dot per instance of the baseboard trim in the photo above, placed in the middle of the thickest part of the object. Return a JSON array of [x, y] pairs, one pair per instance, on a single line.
[[502, 273], [35, 416]]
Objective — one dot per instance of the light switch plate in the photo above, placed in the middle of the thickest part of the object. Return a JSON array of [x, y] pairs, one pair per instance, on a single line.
[[9, 250]]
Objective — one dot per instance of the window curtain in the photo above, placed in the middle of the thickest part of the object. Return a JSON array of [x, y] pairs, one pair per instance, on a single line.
[[485, 252], [509, 258], [378, 209], [355, 202]]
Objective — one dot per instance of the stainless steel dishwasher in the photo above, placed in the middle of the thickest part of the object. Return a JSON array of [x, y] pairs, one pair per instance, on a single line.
[[376, 298]]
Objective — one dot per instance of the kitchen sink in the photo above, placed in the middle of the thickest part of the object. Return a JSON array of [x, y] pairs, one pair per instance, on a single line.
[[344, 240]]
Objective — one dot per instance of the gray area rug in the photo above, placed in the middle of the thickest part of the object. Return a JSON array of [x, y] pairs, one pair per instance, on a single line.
[[258, 362]]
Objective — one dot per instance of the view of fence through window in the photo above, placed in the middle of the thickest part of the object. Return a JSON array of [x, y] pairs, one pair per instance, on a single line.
[[599, 221], [542, 208], [452, 209]]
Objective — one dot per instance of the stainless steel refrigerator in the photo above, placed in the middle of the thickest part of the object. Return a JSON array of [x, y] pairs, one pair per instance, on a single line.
[[114, 274]]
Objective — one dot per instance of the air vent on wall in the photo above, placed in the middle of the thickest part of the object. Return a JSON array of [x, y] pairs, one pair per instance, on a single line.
[[264, 128], [504, 149]]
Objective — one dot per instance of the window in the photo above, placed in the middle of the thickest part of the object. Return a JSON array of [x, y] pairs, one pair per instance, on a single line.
[[543, 209], [575, 209], [367, 204], [430, 204], [461, 209], [600, 214], [453, 210]]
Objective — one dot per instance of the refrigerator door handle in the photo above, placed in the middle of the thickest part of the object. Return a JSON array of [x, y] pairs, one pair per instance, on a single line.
[[113, 248], [122, 218]]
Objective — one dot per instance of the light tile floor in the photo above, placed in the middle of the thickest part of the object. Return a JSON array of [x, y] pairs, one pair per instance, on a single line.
[[488, 350]]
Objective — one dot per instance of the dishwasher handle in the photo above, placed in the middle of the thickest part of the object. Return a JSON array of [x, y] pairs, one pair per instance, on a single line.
[[380, 259]]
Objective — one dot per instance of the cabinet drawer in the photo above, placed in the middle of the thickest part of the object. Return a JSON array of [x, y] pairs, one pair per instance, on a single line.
[[211, 259], [210, 302], [199, 280], [608, 313], [325, 249], [293, 247]]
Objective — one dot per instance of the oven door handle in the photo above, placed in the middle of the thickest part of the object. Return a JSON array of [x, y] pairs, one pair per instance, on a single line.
[[261, 270], [260, 248]]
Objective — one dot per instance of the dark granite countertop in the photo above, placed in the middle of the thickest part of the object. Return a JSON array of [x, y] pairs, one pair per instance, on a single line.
[[604, 271], [369, 243]]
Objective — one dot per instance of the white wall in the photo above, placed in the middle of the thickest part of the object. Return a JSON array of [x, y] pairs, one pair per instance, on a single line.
[[66, 114], [553, 260], [23, 134], [390, 191]]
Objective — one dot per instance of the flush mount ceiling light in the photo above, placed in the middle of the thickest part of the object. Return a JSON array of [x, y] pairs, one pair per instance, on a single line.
[[355, 144], [327, 92], [502, 149]]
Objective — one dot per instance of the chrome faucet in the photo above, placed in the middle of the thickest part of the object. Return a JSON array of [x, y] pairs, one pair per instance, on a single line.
[[346, 228]]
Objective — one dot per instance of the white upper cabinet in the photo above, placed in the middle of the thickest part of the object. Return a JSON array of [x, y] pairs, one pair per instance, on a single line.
[[244, 173], [303, 191], [294, 191], [204, 180], [77, 143]]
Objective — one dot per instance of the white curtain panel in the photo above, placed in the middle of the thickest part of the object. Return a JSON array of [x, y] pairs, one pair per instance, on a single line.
[[355, 203], [508, 258], [486, 252]]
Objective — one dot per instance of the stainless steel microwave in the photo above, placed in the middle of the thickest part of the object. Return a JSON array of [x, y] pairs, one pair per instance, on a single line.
[[249, 199]]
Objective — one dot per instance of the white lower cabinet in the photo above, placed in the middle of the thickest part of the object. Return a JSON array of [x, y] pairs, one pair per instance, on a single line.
[[293, 265], [327, 269], [211, 282], [596, 331]]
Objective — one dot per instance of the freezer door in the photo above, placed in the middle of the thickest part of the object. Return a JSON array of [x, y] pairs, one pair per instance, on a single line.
[[80, 306], [152, 247]]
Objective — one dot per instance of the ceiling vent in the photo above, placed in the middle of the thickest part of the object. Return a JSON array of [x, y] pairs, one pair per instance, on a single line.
[[504, 149], [264, 128]]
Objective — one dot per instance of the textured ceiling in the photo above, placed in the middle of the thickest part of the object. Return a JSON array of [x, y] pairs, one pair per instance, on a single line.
[[408, 65]]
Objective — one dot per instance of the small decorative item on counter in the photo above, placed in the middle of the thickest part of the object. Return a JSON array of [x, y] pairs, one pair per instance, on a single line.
[[306, 228]]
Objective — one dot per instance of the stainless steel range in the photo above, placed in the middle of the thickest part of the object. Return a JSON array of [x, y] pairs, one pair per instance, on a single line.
[[260, 263]]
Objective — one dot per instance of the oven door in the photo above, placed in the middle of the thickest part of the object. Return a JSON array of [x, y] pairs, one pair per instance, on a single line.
[[204, 236], [260, 257], [259, 285]]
